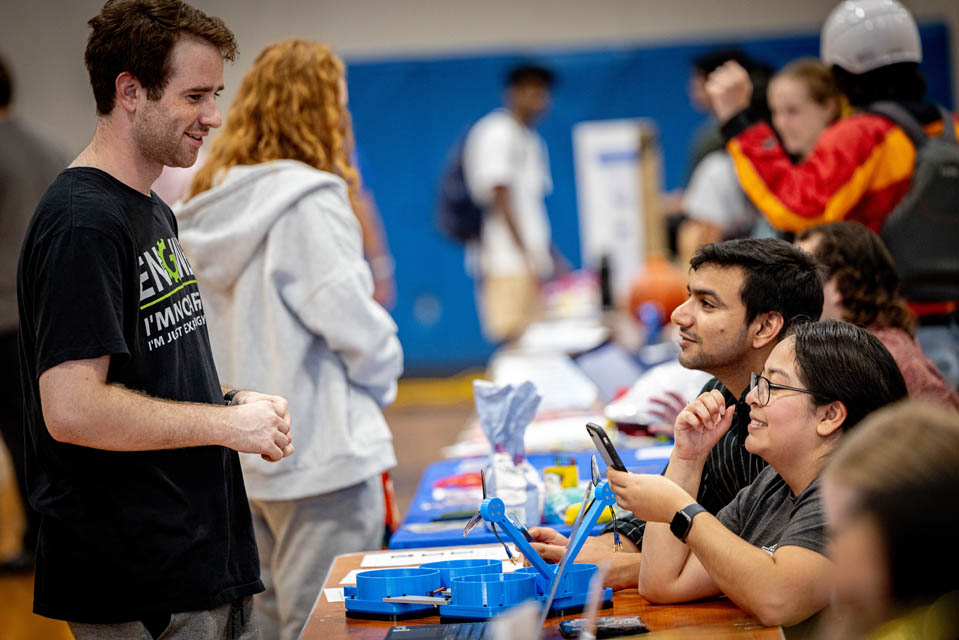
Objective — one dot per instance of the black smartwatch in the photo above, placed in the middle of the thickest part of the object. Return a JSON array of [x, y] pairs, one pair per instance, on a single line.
[[229, 395], [683, 521]]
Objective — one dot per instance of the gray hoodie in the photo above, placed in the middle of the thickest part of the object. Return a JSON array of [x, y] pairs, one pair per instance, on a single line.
[[278, 256]]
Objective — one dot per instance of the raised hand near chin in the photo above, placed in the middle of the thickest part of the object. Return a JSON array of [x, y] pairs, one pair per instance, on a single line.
[[700, 426]]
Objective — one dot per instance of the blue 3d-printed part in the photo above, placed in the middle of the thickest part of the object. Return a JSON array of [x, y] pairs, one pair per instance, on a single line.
[[486, 595], [477, 589], [573, 589], [366, 598], [450, 569]]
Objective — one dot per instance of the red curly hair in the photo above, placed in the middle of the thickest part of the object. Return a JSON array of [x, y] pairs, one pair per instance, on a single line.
[[290, 106]]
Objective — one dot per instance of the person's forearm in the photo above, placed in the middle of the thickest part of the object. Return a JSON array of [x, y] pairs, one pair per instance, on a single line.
[[502, 205], [623, 566], [749, 576], [114, 418], [665, 557], [688, 474], [371, 228]]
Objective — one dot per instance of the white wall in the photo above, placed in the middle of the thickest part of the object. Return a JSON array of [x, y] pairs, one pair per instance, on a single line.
[[43, 40]]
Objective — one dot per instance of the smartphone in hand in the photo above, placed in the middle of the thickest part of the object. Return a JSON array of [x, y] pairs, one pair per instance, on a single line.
[[605, 447]]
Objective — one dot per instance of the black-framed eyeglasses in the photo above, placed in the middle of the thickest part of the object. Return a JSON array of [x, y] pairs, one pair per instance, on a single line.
[[764, 388]]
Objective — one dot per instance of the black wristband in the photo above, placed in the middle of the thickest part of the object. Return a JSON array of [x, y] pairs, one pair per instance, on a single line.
[[683, 521], [737, 124], [229, 395]]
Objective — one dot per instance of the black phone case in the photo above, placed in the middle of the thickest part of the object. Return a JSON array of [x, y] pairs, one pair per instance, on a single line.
[[605, 447]]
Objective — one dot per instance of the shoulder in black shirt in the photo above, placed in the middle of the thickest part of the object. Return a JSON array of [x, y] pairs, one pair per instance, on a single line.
[[729, 467]]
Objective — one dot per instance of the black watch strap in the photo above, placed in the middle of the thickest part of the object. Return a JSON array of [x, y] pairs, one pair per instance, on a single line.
[[683, 521], [229, 395]]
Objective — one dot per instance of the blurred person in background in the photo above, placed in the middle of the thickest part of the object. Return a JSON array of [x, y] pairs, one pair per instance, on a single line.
[[376, 248], [713, 206], [862, 287], [890, 510], [873, 50], [278, 251], [28, 164], [506, 168], [862, 166], [706, 138], [803, 100]]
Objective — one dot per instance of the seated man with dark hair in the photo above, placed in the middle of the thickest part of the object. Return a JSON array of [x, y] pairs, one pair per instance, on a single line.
[[743, 296]]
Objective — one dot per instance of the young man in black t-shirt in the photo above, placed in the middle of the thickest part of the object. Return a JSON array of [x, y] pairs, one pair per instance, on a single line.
[[743, 295], [132, 454]]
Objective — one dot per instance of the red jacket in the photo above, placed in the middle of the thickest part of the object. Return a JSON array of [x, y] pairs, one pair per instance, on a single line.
[[859, 170]]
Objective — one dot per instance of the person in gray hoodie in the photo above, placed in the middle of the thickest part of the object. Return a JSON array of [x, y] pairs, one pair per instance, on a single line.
[[277, 252]]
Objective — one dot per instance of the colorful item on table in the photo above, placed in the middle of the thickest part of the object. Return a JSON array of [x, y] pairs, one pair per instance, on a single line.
[[568, 474], [504, 412], [460, 480]]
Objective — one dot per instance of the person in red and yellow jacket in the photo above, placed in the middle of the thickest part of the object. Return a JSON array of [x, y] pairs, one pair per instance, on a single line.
[[862, 165]]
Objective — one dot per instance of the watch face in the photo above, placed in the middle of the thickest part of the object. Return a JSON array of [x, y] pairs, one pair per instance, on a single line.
[[680, 525]]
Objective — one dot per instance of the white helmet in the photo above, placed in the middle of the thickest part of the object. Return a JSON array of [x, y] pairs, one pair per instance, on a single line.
[[862, 35]]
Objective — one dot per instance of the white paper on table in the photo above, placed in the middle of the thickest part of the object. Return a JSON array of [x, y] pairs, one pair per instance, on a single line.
[[334, 595], [414, 557], [545, 435], [562, 383], [563, 336], [655, 453]]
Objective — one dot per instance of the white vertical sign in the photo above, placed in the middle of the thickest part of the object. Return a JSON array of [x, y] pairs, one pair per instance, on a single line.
[[610, 198]]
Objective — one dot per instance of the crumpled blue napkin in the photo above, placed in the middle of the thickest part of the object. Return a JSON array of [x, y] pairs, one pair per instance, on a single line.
[[504, 412]]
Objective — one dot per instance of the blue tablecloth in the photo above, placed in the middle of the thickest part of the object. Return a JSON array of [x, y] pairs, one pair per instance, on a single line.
[[424, 510]]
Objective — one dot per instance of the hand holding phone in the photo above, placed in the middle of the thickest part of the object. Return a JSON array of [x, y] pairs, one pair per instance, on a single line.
[[605, 447]]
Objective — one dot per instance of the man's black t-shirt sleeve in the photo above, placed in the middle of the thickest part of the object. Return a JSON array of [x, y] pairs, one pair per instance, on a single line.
[[728, 468], [79, 307]]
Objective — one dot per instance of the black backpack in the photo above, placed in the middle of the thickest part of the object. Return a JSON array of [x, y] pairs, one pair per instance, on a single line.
[[457, 216], [922, 231]]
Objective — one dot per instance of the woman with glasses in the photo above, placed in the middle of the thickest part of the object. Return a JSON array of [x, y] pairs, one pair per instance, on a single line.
[[766, 549]]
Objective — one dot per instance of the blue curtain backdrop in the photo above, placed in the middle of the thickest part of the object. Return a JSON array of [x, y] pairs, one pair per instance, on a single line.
[[408, 113]]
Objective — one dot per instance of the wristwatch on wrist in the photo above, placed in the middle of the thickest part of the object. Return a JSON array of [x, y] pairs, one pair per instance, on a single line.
[[229, 395], [683, 521]]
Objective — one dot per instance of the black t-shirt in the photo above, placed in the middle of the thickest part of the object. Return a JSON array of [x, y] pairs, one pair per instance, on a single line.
[[125, 534]]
